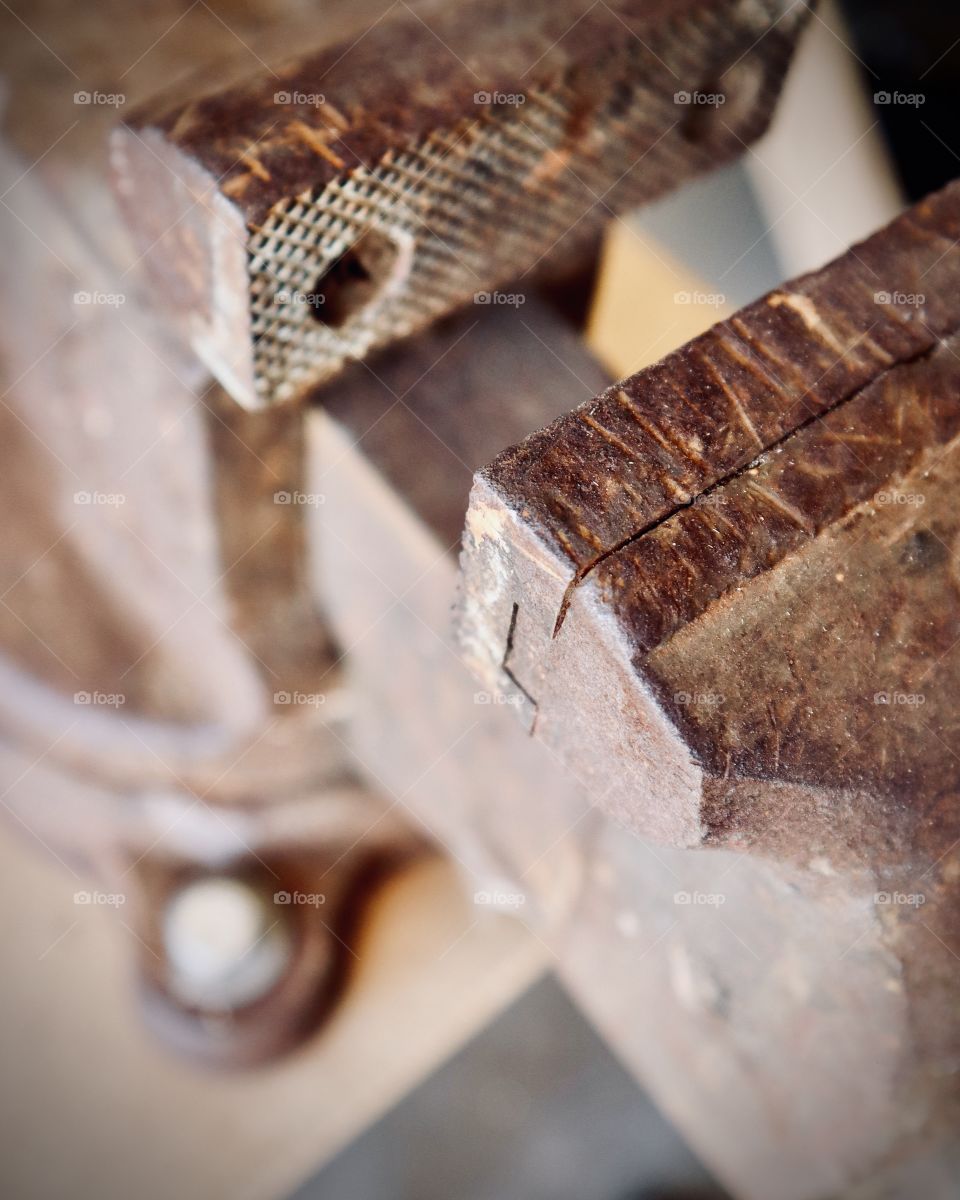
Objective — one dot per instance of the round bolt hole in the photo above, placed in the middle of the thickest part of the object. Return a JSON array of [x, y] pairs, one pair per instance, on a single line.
[[355, 279]]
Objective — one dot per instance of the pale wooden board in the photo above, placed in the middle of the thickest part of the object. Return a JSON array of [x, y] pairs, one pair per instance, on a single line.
[[92, 1106]]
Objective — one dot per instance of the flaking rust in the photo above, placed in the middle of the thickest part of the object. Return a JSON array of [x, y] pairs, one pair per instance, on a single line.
[[302, 218]]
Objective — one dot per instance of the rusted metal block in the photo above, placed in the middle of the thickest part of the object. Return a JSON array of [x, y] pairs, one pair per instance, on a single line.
[[306, 216], [709, 578], [729, 587], [725, 593], [767, 992]]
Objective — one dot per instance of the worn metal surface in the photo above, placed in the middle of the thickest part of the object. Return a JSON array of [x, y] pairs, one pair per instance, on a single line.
[[797, 1030], [728, 587], [716, 525], [299, 219]]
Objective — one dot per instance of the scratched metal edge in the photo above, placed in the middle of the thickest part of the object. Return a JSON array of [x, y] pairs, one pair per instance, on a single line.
[[748, 524], [889, 574], [651, 444]]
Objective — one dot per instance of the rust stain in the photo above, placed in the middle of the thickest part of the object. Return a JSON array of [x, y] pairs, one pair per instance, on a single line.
[[608, 436], [314, 140], [254, 165]]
